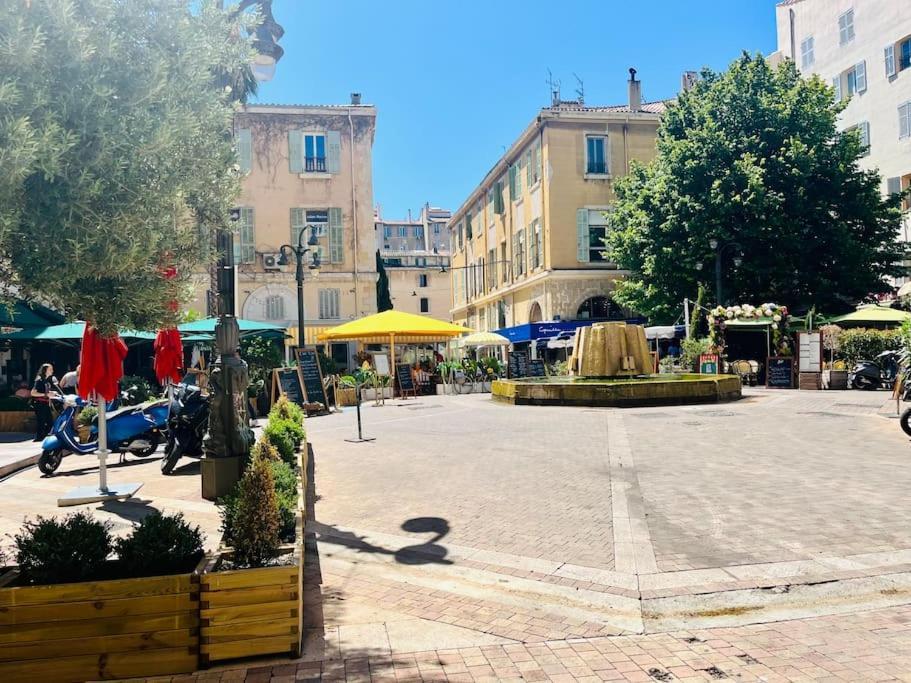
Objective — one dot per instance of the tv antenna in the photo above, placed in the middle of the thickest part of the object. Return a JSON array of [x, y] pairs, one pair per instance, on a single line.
[[554, 87], [580, 91]]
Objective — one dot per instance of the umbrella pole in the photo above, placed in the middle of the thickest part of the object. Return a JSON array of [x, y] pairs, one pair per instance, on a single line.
[[102, 444]]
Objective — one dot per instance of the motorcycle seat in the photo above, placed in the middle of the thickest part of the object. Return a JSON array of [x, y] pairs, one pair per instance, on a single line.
[[120, 411]]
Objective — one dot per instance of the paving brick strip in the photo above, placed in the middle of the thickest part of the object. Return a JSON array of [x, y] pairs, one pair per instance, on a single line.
[[866, 646]]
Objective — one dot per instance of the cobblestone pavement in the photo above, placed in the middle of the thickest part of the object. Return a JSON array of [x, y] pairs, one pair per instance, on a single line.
[[867, 646]]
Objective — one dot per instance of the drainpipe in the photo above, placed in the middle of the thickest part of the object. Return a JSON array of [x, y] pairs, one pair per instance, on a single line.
[[357, 310]]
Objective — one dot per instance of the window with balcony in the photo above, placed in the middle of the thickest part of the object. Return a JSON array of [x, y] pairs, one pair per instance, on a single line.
[[314, 153], [807, 55], [846, 27], [595, 154]]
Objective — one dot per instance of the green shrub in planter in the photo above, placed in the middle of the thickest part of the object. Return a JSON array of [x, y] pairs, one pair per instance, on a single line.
[[159, 545], [285, 479], [62, 551], [255, 519], [859, 343], [294, 429], [279, 436], [286, 410]]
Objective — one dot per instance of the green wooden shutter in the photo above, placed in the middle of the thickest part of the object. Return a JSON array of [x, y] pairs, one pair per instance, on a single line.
[[537, 157], [336, 236], [334, 153], [245, 237], [245, 150], [528, 172], [296, 151], [298, 220], [582, 235], [498, 197], [512, 183]]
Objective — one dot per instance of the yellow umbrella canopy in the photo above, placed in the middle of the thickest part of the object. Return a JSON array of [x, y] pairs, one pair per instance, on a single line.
[[403, 327], [480, 339]]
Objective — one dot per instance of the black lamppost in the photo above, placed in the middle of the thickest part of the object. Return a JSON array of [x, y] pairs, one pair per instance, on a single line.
[[299, 250], [719, 250]]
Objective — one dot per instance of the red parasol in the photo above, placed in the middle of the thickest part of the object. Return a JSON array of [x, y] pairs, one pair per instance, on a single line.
[[168, 355], [101, 364]]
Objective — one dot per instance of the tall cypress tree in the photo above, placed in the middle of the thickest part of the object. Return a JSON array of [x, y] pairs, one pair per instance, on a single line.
[[383, 299]]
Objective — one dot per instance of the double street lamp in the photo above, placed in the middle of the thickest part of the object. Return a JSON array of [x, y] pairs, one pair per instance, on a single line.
[[719, 250], [299, 251]]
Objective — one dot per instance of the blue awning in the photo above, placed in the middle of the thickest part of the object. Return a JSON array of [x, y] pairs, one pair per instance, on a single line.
[[551, 328]]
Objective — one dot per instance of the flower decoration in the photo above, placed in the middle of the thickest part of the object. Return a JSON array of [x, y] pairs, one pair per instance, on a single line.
[[720, 316]]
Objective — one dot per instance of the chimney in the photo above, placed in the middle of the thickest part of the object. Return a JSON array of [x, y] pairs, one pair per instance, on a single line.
[[635, 92], [355, 98]]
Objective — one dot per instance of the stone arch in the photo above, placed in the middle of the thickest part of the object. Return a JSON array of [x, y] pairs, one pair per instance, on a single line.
[[534, 313], [257, 305], [599, 306]]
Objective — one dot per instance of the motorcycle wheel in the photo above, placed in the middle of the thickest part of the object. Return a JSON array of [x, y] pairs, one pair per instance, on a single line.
[[172, 454], [905, 421], [154, 439], [865, 384], [50, 461]]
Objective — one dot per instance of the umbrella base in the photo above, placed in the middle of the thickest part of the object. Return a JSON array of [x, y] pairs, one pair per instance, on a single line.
[[82, 495]]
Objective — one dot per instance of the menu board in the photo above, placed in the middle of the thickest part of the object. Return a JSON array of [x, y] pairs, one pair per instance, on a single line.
[[286, 382], [536, 368], [780, 372], [404, 377], [312, 375], [517, 364]]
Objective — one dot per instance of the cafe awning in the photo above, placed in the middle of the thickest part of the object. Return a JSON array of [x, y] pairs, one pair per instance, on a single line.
[[69, 333], [873, 315], [403, 328], [247, 328]]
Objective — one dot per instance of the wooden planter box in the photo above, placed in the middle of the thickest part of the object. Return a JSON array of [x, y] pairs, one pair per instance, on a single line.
[[17, 421], [255, 612], [346, 396], [100, 630]]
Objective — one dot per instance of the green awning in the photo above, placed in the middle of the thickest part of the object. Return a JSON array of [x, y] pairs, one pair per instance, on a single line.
[[69, 332], [248, 328], [22, 314]]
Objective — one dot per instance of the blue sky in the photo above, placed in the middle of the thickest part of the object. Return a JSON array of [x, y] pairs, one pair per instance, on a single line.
[[456, 81]]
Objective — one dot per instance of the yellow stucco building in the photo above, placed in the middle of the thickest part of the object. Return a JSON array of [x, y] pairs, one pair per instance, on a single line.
[[305, 165], [527, 243]]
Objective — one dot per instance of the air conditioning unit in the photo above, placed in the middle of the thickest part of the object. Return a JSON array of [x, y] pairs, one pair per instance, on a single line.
[[271, 261]]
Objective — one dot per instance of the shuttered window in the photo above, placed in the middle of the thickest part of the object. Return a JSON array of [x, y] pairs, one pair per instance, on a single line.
[[275, 307], [518, 253], [582, 235], [336, 236], [513, 187], [498, 197], [245, 237], [890, 61], [536, 163], [846, 27], [904, 120], [596, 157], [536, 244], [314, 152], [245, 150], [328, 304], [807, 56]]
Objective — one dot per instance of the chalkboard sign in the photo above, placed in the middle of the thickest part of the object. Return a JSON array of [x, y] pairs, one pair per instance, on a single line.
[[312, 376], [536, 368], [780, 372], [286, 382], [517, 364], [404, 378]]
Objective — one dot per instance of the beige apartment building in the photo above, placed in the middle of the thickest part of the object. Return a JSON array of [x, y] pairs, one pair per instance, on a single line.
[[863, 49], [415, 254], [527, 244], [308, 167]]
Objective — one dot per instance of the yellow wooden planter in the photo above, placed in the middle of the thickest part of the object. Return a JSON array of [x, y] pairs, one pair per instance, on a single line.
[[345, 396], [100, 630], [255, 612], [17, 421]]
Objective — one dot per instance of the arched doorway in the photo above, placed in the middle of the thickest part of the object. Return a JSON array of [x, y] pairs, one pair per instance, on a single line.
[[534, 314], [599, 308]]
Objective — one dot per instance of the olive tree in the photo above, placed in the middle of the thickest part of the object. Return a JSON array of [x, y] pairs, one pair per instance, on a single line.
[[115, 150]]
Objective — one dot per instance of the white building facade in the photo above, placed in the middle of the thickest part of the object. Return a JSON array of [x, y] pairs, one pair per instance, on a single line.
[[863, 49]]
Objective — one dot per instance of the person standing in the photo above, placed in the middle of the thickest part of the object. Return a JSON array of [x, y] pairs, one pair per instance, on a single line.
[[70, 381], [44, 388]]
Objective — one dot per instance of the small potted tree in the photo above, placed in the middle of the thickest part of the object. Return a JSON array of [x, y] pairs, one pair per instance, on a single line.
[[835, 374]]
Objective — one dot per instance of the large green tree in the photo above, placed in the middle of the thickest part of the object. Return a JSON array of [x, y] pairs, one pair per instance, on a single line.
[[753, 156], [115, 149]]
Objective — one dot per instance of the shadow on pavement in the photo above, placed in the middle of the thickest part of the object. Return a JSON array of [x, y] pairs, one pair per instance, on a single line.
[[132, 509], [113, 464], [428, 552]]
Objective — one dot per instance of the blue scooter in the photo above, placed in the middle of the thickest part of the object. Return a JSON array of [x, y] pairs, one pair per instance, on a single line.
[[131, 429]]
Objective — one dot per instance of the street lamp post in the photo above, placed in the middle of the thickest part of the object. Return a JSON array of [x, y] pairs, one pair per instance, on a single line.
[[299, 250], [719, 252]]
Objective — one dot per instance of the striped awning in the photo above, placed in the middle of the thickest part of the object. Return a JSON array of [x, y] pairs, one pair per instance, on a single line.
[[311, 332]]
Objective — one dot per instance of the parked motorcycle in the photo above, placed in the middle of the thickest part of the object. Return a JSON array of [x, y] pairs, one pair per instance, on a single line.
[[875, 374], [186, 427], [131, 429]]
